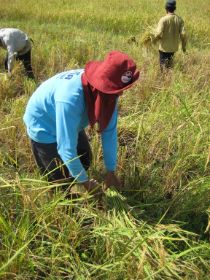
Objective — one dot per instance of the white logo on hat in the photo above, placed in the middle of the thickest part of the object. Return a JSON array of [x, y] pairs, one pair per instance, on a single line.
[[126, 77]]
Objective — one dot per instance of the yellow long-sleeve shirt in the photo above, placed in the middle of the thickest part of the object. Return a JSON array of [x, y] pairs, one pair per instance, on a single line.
[[169, 32]]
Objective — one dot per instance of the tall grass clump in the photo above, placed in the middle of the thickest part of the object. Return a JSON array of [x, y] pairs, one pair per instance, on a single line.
[[45, 236]]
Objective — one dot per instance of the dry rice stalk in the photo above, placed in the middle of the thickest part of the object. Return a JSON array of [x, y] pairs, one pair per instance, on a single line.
[[148, 37]]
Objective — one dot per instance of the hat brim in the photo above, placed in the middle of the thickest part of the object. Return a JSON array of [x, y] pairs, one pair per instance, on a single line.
[[91, 74]]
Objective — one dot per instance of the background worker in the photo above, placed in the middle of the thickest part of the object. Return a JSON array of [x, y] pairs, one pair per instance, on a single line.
[[60, 109], [169, 32], [18, 46]]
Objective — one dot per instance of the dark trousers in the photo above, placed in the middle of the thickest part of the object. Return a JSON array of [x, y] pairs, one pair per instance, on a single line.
[[166, 60], [26, 60], [50, 163]]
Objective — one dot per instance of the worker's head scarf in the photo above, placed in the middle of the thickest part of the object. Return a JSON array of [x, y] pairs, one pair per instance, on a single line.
[[100, 106], [103, 82]]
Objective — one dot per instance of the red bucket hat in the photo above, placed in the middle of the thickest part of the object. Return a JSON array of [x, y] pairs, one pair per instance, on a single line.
[[116, 73]]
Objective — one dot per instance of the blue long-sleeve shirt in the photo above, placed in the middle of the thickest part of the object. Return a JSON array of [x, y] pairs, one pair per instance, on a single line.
[[56, 112]]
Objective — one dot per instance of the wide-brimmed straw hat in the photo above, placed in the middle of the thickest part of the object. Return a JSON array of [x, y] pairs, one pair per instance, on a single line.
[[114, 74]]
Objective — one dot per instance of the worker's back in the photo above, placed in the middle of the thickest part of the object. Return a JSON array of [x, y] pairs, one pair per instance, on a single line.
[[171, 27]]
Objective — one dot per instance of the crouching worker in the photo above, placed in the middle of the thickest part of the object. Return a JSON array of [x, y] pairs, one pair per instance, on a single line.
[[60, 109], [18, 47]]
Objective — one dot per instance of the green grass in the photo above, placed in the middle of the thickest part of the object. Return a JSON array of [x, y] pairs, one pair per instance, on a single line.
[[157, 228]]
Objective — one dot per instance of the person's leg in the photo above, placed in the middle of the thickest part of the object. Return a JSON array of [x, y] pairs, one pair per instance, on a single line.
[[169, 60], [6, 62], [50, 162], [26, 60], [162, 60], [166, 60], [84, 150]]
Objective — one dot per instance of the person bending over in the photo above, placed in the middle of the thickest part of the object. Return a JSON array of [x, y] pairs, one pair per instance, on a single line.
[[63, 106], [18, 46]]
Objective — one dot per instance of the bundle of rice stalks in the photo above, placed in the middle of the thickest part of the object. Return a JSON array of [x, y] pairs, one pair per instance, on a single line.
[[117, 201], [147, 39]]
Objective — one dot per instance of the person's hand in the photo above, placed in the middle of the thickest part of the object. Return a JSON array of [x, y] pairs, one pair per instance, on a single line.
[[91, 186], [111, 179]]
